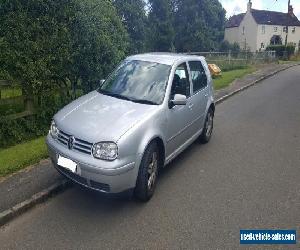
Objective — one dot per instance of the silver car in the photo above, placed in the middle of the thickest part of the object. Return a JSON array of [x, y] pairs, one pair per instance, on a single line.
[[151, 108]]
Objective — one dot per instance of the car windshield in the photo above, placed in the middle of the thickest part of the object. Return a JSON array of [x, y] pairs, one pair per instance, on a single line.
[[138, 81]]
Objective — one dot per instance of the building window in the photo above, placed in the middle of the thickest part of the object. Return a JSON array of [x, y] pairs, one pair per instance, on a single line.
[[263, 29], [243, 30], [294, 30], [285, 30], [275, 29], [262, 45]]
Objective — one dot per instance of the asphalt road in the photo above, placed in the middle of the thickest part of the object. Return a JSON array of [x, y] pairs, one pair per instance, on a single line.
[[247, 177]]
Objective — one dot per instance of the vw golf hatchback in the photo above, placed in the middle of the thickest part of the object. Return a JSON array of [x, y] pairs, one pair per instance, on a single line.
[[151, 108]]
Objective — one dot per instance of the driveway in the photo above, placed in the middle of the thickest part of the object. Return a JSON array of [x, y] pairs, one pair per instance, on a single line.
[[247, 177]]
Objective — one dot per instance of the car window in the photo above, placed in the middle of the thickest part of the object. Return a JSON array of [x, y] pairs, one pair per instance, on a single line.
[[138, 81], [181, 83], [198, 75]]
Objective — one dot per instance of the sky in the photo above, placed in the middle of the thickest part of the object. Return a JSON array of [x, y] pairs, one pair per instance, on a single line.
[[233, 7]]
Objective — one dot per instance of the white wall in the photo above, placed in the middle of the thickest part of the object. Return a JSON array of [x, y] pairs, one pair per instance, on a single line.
[[247, 40], [294, 37], [270, 32]]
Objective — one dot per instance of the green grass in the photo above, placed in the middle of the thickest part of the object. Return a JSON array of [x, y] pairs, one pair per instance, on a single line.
[[22, 155], [229, 76], [10, 92], [286, 62]]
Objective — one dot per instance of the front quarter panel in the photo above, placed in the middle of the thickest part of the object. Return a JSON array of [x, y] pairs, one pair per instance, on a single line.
[[136, 140]]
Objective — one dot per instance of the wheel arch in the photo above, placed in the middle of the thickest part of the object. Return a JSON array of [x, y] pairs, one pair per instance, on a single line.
[[161, 147]]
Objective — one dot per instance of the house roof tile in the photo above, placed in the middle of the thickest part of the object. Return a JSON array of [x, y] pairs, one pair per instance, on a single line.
[[265, 17], [235, 21], [274, 18]]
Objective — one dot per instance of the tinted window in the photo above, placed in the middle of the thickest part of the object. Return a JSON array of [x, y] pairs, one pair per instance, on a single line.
[[198, 75], [181, 83], [138, 81]]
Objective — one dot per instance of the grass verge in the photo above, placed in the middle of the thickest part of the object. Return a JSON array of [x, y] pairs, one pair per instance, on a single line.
[[229, 76], [287, 62], [22, 155]]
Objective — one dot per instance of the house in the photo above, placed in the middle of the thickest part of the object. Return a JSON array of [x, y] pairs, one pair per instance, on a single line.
[[256, 29]]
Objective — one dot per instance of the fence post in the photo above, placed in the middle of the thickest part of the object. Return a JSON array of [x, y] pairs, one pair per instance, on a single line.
[[229, 56]]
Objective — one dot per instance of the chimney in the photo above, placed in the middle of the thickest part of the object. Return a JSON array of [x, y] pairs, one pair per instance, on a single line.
[[291, 10], [249, 6]]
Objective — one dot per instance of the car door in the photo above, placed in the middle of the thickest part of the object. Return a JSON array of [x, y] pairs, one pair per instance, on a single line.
[[179, 117], [200, 92]]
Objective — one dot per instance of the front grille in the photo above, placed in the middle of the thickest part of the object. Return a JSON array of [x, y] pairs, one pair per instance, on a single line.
[[78, 144]]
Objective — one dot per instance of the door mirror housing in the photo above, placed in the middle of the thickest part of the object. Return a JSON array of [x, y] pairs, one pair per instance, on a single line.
[[179, 100]]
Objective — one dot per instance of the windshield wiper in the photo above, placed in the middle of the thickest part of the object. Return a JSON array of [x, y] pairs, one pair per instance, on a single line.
[[105, 92], [144, 102]]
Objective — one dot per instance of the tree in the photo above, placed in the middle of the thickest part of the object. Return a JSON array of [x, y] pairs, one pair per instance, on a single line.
[[47, 44], [133, 16], [99, 41], [225, 46], [162, 33], [199, 25]]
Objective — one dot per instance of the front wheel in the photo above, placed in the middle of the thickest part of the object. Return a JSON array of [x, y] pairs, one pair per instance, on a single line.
[[208, 127], [148, 172]]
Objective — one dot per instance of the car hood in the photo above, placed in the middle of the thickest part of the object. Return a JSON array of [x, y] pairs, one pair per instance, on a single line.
[[96, 117]]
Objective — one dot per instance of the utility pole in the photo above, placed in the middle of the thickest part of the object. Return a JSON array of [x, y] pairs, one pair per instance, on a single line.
[[287, 31], [287, 25]]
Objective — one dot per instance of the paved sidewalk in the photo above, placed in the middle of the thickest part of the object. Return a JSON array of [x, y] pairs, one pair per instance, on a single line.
[[22, 185], [26, 183]]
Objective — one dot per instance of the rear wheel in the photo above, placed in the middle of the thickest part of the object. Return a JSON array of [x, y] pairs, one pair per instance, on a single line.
[[208, 127], [148, 172]]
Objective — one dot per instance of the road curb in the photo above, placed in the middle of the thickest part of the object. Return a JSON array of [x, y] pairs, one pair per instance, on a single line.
[[223, 98], [40, 197]]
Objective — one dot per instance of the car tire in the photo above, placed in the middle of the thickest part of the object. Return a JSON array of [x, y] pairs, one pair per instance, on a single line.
[[208, 127], [148, 172]]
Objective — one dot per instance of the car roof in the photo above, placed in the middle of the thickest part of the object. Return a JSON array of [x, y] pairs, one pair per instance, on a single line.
[[163, 58]]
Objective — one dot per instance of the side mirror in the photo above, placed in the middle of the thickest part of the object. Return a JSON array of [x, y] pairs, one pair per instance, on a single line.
[[178, 100], [101, 82]]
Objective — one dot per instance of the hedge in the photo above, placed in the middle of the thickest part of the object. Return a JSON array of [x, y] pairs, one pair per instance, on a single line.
[[282, 51]]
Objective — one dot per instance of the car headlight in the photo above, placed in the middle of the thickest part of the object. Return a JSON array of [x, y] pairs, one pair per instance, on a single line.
[[54, 130], [105, 151]]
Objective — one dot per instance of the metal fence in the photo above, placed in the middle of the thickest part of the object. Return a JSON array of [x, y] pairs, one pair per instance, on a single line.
[[230, 60], [13, 103]]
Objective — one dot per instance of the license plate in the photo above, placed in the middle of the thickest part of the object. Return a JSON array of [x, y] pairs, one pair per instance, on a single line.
[[67, 163]]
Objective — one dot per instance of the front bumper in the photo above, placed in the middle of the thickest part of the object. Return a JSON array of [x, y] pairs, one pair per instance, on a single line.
[[108, 177]]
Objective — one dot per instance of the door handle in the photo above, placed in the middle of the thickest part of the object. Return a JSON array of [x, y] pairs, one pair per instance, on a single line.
[[206, 95], [191, 106]]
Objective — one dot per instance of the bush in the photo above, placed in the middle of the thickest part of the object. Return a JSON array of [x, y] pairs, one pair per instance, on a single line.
[[22, 129], [282, 51]]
